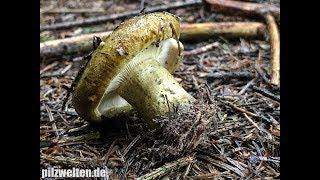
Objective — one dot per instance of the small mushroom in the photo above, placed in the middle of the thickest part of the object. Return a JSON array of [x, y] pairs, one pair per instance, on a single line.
[[133, 66]]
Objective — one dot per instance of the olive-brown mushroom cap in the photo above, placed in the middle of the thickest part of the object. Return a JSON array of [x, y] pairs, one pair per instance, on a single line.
[[124, 43]]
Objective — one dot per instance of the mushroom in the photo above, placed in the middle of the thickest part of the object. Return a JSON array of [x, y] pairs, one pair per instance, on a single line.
[[167, 55], [132, 67]]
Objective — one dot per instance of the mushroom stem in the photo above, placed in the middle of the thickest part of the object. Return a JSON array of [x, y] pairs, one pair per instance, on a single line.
[[152, 90]]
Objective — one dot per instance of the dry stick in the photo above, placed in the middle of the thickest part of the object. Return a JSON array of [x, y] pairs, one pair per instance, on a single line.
[[212, 175], [275, 49], [67, 161], [167, 168], [243, 90], [54, 127], [243, 110], [243, 8], [202, 49], [65, 10], [83, 43], [79, 139], [222, 165], [105, 158], [241, 75], [127, 149], [231, 127], [237, 108], [257, 66], [76, 129], [72, 140], [252, 122], [266, 93], [69, 46], [187, 171], [105, 18], [48, 67], [200, 31], [142, 6], [44, 10], [57, 73]]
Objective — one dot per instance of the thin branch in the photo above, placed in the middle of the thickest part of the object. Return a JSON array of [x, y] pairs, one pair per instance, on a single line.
[[200, 31], [252, 122], [142, 6], [74, 11], [202, 49], [243, 90], [132, 143], [48, 67], [230, 75], [243, 8], [69, 161], [275, 49], [106, 18], [167, 168], [72, 140], [69, 46], [54, 126], [266, 93], [237, 108]]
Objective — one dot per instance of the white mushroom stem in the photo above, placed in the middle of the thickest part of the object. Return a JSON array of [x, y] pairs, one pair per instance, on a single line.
[[152, 90]]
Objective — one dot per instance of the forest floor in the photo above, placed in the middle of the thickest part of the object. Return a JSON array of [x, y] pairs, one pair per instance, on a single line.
[[240, 107]]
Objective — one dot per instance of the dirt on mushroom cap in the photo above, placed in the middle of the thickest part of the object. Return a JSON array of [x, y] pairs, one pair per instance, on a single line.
[[127, 40]]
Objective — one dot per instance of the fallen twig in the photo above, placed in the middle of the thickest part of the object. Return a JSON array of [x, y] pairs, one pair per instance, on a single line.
[[243, 90], [167, 168], [243, 8], [127, 149], [266, 93], [260, 72], [201, 31], [72, 140], [69, 113], [252, 122], [230, 75], [206, 176], [275, 49], [105, 158], [223, 165], [69, 46], [69, 161], [201, 49], [54, 126], [237, 108], [231, 127], [66, 10], [105, 18], [83, 44], [48, 67], [58, 73], [76, 129]]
